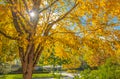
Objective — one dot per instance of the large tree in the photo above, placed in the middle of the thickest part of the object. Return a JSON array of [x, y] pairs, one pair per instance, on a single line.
[[30, 23]]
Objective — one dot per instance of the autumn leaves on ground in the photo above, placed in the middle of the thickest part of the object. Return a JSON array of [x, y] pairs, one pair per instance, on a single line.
[[81, 36]]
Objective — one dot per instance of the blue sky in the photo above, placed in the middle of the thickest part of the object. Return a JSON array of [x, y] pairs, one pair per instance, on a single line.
[[117, 28]]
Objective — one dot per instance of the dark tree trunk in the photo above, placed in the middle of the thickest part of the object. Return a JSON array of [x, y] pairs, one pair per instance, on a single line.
[[27, 66]]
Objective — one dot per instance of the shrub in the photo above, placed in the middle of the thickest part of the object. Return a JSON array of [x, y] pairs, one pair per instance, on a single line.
[[109, 70], [5, 68]]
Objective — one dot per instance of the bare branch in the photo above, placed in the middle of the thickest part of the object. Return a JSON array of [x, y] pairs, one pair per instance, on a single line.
[[76, 32], [65, 33], [60, 18], [26, 7], [48, 6]]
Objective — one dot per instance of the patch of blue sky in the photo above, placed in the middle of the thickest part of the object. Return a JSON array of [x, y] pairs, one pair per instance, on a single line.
[[71, 26], [113, 20], [117, 27], [68, 4], [66, 7], [83, 20]]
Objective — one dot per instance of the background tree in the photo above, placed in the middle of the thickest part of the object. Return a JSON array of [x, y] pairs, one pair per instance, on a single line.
[[97, 23]]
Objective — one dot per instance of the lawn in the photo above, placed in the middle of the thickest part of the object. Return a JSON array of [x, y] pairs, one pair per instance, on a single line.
[[19, 76]]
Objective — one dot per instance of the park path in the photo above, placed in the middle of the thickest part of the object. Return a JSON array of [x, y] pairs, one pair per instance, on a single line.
[[68, 75]]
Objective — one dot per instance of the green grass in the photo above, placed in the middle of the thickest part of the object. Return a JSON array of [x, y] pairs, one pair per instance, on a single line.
[[19, 76]]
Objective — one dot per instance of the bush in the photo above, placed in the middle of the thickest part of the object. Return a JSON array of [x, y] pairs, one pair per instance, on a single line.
[[107, 71], [5, 68]]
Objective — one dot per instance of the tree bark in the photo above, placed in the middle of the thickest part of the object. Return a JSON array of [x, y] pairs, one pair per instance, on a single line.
[[27, 66], [27, 75], [27, 70]]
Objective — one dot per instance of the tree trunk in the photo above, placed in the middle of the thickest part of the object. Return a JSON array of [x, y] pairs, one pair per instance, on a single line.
[[27, 75], [27, 71], [28, 67], [29, 60]]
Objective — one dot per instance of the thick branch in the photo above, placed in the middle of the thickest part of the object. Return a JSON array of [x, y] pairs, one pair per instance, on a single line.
[[23, 25], [38, 48], [38, 52], [15, 21], [28, 50], [37, 56], [14, 16], [7, 36], [21, 53]]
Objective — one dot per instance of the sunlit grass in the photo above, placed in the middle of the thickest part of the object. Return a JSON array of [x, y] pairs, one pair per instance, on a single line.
[[19, 76]]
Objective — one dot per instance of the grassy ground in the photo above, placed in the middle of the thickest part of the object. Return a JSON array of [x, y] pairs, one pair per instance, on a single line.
[[19, 76]]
